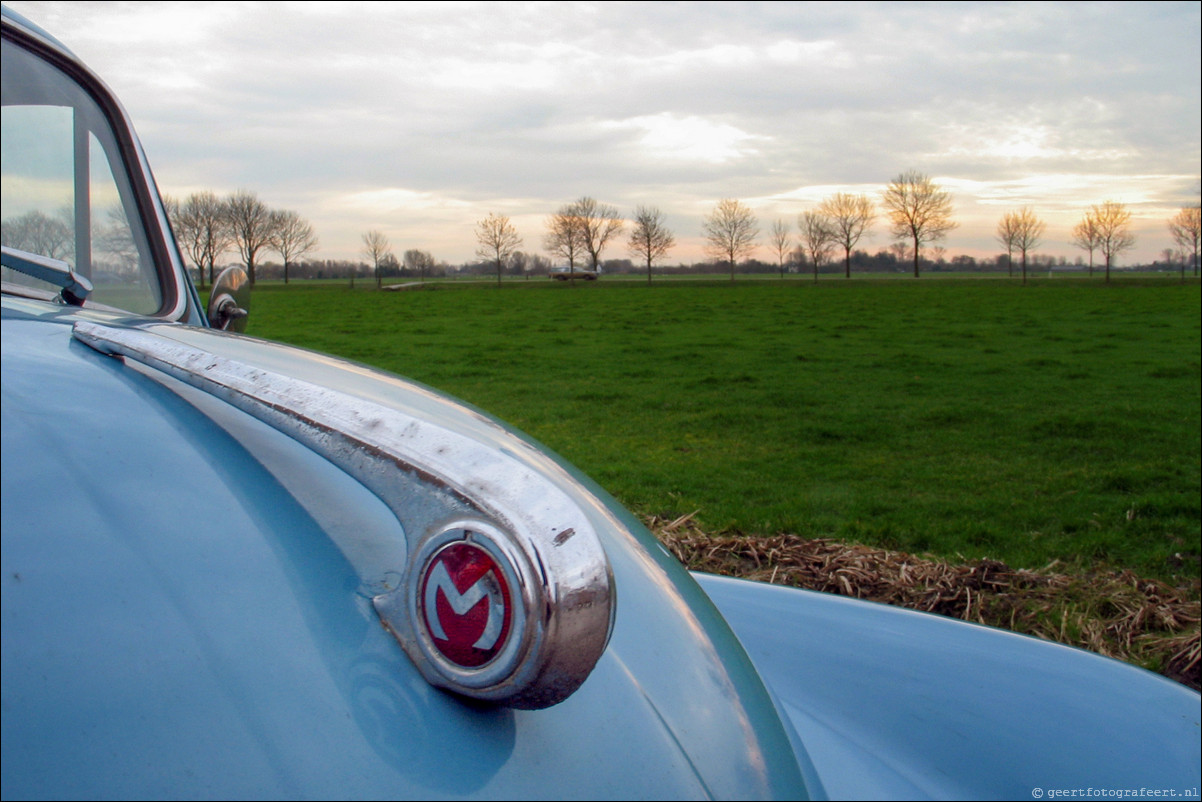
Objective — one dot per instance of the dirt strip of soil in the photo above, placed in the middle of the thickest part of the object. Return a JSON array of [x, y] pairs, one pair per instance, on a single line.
[[1116, 613]]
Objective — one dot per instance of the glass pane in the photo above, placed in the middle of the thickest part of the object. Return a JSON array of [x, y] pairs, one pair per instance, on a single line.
[[36, 182], [116, 264], [66, 192]]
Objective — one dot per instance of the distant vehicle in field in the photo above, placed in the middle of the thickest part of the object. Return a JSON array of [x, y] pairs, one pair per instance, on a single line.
[[568, 273]]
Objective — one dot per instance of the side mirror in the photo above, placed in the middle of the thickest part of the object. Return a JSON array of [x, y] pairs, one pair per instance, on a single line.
[[230, 300]]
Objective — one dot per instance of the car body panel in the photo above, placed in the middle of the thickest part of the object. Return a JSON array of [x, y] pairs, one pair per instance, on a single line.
[[898, 704]]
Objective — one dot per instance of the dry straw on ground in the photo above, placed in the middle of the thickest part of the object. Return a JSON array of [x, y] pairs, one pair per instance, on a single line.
[[1116, 613]]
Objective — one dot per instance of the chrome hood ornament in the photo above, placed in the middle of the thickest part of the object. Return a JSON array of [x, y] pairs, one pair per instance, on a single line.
[[505, 594]]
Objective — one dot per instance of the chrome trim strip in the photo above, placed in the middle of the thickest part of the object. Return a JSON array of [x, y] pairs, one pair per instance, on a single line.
[[433, 479]]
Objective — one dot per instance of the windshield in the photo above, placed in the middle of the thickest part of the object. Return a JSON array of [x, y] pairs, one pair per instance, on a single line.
[[66, 192]]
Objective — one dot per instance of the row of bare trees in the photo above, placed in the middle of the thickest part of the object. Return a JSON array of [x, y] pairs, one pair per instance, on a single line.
[[581, 230], [578, 233], [378, 250], [207, 227], [50, 235], [919, 210], [1105, 229], [108, 240], [1020, 231], [920, 213]]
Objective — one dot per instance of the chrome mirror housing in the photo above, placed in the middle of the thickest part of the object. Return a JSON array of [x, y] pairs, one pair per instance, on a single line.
[[229, 302]]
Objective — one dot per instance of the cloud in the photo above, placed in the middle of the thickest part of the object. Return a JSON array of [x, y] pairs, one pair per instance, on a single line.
[[429, 115], [687, 139]]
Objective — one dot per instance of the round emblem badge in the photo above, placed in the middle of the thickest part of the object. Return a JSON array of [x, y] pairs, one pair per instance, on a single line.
[[478, 619], [465, 604]]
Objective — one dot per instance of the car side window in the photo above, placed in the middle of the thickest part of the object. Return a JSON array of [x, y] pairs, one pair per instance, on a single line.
[[66, 192]]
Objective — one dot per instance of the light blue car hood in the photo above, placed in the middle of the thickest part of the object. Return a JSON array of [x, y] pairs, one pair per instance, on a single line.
[[177, 621], [898, 704]]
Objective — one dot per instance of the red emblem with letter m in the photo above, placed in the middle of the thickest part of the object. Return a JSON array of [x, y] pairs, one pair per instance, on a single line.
[[466, 604]]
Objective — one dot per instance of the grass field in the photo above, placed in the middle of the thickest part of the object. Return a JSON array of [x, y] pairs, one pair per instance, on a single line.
[[979, 418]]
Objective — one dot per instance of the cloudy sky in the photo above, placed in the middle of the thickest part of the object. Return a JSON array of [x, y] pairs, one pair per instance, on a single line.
[[419, 119]]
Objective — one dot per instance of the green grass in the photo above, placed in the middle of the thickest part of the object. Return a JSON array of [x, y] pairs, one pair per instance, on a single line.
[[975, 418]]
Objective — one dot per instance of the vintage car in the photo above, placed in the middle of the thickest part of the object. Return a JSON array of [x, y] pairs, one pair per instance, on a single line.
[[234, 569], [572, 273]]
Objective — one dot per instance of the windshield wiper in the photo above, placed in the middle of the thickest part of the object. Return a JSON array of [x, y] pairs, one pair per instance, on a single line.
[[74, 288]]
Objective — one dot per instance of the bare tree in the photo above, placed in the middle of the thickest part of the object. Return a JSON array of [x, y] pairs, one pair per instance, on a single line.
[[202, 226], [565, 237], [730, 232], [172, 206], [113, 237], [498, 240], [817, 237], [1113, 224], [850, 217], [418, 261], [38, 233], [389, 265], [1085, 237], [900, 251], [782, 243], [1007, 234], [1030, 235], [518, 263], [537, 265], [1186, 226], [292, 237], [376, 247], [599, 223], [919, 209], [1020, 231], [1169, 256], [650, 240], [251, 225]]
